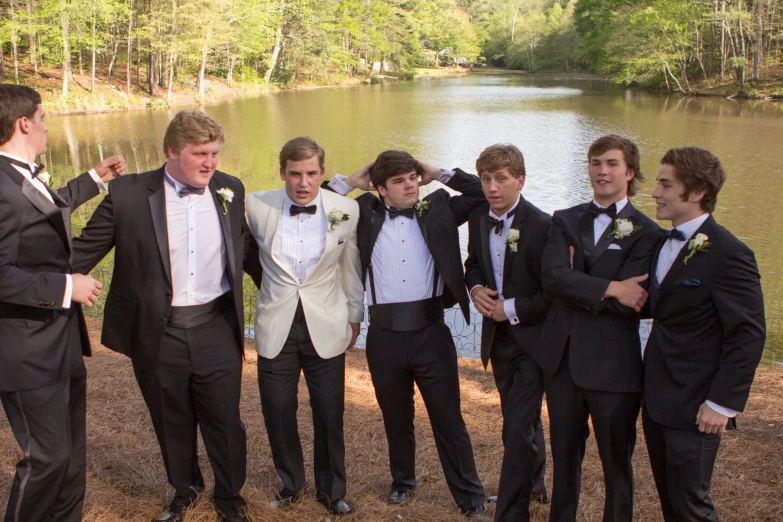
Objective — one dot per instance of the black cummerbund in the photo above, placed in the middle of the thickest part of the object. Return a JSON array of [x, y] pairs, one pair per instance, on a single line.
[[196, 315], [405, 317]]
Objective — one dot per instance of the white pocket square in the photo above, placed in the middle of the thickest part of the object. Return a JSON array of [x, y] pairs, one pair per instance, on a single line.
[[614, 246]]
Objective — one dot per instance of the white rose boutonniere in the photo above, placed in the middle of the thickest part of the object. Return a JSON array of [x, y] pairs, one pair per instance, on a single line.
[[699, 243], [226, 196], [45, 177], [623, 228], [512, 240], [421, 206], [336, 216]]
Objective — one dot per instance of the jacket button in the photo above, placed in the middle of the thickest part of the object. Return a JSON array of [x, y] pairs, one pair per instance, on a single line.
[[164, 319]]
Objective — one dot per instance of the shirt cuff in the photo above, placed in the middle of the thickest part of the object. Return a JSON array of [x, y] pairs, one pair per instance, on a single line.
[[511, 312], [445, 176], [728, 412], [68, 291], [470, 292], [338, 185], [98, 181]]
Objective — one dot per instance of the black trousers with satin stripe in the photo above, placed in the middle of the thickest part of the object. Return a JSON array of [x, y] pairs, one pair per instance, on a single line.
[[428, 358], [278, 382], [614, 420], [520, 384], [49, 425], [196, 382], [682, 462]]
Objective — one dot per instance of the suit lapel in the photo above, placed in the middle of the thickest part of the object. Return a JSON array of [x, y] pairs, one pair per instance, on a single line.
[[604, 241], [654, 296], [157, 201], [272, 224], [225, 227], [486, 255], [586, 234], [518, 223], [679, 264], [422, 221], [332, 236]]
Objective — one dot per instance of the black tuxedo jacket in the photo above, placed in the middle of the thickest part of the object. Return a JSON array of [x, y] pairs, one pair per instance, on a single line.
[[602, 334], [708, 331], [40, 342], [521, 272], [132, 219], [438, 224]]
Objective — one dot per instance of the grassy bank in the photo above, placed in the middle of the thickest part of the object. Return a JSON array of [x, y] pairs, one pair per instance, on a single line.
[[126, 480]]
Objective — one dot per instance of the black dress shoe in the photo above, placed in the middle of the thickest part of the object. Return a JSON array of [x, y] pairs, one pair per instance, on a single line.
[[241, 517], [541, 498], [492, 499], [282, 502], [337, 507], [477, 512], [170, 516], [398, 497]]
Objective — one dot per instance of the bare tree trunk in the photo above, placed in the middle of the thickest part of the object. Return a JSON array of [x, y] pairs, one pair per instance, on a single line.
[[171, 76], [113, 57], [275, 53], [31, 30], [65, 21], [723, 40], [201, 71], [130, 44], [14, 47], [81, 64], [2, 69], [151, 69], [92, 78], [758, 43]]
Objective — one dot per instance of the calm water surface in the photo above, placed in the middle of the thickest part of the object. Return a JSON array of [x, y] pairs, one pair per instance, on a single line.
[[448, 122]]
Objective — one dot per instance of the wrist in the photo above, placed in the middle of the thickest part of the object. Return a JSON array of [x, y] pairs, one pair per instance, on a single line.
[[611, 290]]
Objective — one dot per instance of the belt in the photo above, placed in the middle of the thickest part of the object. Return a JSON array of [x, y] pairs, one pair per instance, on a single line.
[[197, 315], [405, 317]]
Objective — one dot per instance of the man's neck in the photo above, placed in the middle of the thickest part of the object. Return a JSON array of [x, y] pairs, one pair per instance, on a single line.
[[18, 149], [608, 202], [680, 220]]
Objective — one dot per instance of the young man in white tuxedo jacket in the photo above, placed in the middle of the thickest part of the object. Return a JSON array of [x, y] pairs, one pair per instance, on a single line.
[[707, 337], [42, 331], [308, 313]]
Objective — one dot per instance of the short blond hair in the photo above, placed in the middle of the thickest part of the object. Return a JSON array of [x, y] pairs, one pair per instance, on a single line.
[[191, 128], [301, 148], [501, 155]]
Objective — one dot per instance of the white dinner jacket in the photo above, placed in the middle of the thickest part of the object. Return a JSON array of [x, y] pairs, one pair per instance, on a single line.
[[332, 295]]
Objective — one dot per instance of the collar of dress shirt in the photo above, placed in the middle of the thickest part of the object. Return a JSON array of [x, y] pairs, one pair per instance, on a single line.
[[287, 202], [504, 216], [17, 158], [619, 204], [690, 227], [177, 185]]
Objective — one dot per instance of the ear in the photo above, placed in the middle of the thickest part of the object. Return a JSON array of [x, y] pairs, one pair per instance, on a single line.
[[696, 196], [172, 154], [630, 174], [23, 124], [520, 182], [381, 190]]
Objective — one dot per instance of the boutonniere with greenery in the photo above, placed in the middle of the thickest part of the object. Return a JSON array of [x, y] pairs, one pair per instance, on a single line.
[[512, 240], [697, 244], [45, 177], [336, 216], [622, 228], [226, 197], [421, 206]]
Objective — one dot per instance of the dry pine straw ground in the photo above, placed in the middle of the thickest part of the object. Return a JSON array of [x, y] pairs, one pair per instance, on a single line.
[[126, 480]]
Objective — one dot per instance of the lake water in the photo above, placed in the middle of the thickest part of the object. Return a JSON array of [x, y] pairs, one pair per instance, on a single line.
[[448, 122]]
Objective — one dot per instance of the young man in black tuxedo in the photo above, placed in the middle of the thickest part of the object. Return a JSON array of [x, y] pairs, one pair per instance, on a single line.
[[596, 266], [412, 269], [503, 273], [707, 337], [175, 304], [42, 330]]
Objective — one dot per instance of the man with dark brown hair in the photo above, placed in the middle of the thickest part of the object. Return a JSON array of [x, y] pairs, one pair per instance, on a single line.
[[596, 265], [503, 273], [42, 330], [412, 269], [707, 337]]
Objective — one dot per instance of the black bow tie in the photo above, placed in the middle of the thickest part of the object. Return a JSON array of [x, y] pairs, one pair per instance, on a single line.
[[186, 190], [497, 224], [595, 211], [405, 212], [297, 209], [37, 169], [675, 234]]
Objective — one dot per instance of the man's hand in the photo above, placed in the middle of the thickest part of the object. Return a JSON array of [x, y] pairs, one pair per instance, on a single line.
[[355, 329], [429, 173], [85, 289], [111, 168], [629, 292], [710, 421], [484, 300], [499, 313], [360, 179]]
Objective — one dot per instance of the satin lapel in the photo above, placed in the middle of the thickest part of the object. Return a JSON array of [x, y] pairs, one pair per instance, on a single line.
[[159, 222], [65, 209], [54, 213], [586, 234], [653, 300], [225, 227], [603, 242], [376, 223], [486, 256], [518, 222], [272, 223], [679, 264], [422, 221]]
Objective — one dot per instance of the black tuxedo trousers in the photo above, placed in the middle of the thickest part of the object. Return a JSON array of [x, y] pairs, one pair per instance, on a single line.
[[428, 358]]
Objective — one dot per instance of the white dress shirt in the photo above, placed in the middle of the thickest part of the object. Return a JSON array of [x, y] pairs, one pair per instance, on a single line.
[[497, 251], [196, 248], [603, 221], [669, 252], [402, 266], [300, 240], [39, 185]]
